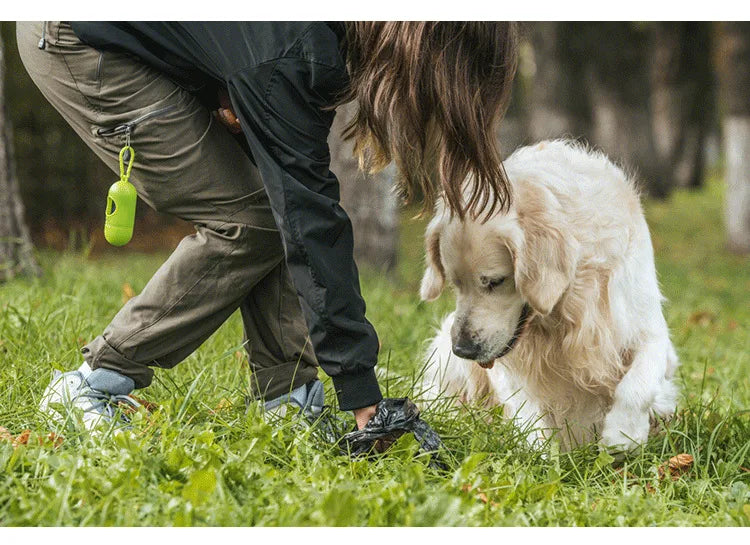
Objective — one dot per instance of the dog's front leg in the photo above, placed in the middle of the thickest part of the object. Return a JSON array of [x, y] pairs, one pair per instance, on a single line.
[[626, 425], [519, 406]]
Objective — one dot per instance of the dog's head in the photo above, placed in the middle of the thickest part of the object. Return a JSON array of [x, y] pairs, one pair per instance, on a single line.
[[502, 269]]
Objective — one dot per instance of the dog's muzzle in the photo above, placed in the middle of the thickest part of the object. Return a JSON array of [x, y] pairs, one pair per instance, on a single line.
[[522, 319]]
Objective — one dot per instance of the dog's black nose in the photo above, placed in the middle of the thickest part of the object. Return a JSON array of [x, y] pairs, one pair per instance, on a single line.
[[466, 348]]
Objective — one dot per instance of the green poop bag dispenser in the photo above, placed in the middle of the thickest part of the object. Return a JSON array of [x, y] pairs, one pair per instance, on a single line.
[[121, 200]]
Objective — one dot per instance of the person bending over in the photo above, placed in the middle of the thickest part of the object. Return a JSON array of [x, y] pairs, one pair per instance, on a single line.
[[271, 237]]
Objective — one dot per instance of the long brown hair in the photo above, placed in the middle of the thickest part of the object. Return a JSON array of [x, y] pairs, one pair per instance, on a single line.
[[429, 97]]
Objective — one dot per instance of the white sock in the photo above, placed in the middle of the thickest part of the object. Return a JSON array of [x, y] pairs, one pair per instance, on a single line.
[[84, 369]]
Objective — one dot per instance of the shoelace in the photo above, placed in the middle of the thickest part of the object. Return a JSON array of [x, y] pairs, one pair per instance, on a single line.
[[108, 402]]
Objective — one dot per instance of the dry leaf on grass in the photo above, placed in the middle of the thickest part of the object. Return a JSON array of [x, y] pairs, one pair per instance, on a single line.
[[479, 494], [701, 318], [55, 439], [676, 466], [682, 462], [129, 409], [22, 438]]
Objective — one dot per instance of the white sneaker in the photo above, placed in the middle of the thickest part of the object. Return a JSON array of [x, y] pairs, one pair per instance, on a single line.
[[96, 393]]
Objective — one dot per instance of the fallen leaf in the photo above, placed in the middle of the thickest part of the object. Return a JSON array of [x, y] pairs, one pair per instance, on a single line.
[[681, 462], [22, 438], [677, 465], [701, 317], [55, 439], [480, 495], [148, 405], [732, 325], [127, 292]]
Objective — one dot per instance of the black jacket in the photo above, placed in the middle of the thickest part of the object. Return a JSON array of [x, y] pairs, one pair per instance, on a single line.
[[281, 76]]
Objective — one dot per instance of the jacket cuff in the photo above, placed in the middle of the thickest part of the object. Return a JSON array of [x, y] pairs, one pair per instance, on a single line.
[[357, 391]]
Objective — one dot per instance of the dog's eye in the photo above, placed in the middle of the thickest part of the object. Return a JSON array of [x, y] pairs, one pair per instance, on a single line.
[[491, 283]]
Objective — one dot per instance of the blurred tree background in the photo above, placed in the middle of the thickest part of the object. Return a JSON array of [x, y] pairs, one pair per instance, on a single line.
[[662, 99], [63, 184]]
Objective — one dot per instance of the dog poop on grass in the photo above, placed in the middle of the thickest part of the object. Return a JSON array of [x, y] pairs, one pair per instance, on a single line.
[[393, 418]]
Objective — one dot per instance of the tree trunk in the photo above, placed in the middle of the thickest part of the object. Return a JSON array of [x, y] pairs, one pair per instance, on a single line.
[[734, 81], [681, 98], [622, 130], [618, 84], [369, 200], [558, 107], [16, 256]]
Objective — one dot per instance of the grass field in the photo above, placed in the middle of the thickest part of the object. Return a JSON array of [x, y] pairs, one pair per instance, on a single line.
[[202, 459]]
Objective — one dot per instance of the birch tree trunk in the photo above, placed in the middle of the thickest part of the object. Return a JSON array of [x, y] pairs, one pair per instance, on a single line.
[[734, 82], [16, 255], [369, 200]]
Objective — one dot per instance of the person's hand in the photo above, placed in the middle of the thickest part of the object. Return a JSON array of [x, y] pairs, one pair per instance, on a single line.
[[226, 115], [363, 415]]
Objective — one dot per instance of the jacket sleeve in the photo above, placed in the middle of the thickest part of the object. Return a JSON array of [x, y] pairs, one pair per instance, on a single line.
[[281, 106]]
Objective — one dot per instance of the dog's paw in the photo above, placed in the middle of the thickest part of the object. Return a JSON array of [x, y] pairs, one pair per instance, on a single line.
[[624, 430]]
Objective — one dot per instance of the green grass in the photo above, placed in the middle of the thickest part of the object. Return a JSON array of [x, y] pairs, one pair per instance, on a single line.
[[200, 459]]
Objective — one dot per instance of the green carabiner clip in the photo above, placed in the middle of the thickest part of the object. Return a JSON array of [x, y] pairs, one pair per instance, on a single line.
[[121, 200]]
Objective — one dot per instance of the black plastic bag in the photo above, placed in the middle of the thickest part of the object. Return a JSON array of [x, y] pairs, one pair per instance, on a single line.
[[393, 418]]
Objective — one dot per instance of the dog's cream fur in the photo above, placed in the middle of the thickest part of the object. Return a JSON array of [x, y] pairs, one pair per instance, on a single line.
[[594, 359]]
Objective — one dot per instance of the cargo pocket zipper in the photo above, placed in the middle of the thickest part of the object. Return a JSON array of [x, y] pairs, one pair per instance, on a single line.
[[127, 128]]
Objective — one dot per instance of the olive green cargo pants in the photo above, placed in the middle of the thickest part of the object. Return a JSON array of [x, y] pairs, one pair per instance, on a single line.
[[187, 165]]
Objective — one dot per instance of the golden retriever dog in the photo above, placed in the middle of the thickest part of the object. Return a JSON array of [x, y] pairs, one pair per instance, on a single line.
[[558, 311]]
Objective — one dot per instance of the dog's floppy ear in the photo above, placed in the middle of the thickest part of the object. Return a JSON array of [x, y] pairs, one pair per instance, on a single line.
[[434, 274], [547, 257]]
